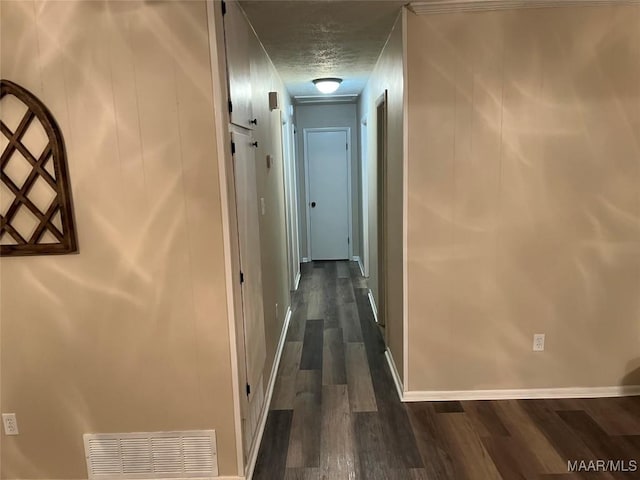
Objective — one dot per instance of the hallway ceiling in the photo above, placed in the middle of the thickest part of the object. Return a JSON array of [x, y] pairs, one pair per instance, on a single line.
[[331, 38]]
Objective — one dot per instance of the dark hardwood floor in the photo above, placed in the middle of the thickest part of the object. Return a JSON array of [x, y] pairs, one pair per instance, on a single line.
[[335, 413]]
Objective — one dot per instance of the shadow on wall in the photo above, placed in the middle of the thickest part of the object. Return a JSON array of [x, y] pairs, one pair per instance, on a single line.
[[633, 377]]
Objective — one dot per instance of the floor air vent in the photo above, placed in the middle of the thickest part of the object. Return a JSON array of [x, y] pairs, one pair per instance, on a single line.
[[151, 455]]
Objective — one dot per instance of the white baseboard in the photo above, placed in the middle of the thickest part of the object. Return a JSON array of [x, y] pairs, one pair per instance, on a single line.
[[394, 373], [359, 260], [297, 281], [253, 454], [372, 301], [305, 260], [527, 393]]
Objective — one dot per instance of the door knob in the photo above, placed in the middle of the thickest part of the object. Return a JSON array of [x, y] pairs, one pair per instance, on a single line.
[[313, 204]]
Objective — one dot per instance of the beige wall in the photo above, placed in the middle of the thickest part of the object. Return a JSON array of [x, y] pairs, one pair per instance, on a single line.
[[524, 198], [132, 333], [388, 75], [323, 116], [270, 185]]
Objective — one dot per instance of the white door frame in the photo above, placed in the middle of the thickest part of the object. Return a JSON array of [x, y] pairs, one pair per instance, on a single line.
[[225, 165], [306, 132], [294, 199], [291, 207], [364, 172]]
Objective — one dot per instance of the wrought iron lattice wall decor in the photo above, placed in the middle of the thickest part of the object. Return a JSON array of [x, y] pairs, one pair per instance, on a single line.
[[36, 212]]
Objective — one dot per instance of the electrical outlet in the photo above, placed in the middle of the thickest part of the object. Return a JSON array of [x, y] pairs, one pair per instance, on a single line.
[[10, 424], [538, 342]]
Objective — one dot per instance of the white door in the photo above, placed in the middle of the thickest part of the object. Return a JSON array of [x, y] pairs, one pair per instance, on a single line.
[[237, 33], [249, 242], [327, 162]]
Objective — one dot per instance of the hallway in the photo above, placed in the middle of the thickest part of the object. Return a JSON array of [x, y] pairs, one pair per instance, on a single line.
[[335, 413]]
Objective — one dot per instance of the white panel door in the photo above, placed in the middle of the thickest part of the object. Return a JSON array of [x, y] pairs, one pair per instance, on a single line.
[[249, 240], [237, 33], [328, 192]]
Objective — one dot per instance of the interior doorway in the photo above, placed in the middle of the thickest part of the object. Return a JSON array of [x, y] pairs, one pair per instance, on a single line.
[[328, 180], [253, 329]]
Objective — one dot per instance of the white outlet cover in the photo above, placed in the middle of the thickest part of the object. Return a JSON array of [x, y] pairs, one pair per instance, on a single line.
[[538, 342], [10, 424]]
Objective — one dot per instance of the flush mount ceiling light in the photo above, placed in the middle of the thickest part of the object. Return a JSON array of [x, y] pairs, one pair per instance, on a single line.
[[327, 85]]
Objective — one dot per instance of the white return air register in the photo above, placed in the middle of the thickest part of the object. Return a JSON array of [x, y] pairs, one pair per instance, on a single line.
[[151, 455]]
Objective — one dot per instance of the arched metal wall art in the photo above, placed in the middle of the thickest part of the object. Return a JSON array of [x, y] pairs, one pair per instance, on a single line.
[[36, 212]]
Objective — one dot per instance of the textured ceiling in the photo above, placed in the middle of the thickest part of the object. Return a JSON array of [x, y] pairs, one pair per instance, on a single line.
[[331, 38]]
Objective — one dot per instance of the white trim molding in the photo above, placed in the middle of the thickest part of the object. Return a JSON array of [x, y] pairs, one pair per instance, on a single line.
[[405, 202], [221, 122], [572, 392], [253, 454], [374, 309], [394, 374], [297, 280], [356, 258], [452, 6]]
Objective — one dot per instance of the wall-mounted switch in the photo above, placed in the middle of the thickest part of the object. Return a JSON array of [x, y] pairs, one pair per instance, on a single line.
[[10, 424]]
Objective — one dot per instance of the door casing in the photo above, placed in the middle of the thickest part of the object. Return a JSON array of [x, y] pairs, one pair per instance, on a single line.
[[381, 187], [291, 204], [364, 214]]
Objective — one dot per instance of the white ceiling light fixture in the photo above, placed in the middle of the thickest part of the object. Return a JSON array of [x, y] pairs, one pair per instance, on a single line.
[[327, 85]]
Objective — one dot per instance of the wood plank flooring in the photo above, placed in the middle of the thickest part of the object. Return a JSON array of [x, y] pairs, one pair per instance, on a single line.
[[335, 413]]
